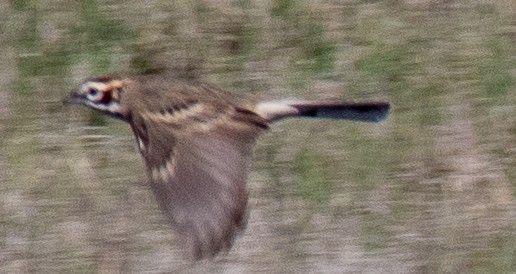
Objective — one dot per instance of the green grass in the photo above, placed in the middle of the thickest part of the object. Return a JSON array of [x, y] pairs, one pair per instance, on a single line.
[[312, 183], [495, 71]]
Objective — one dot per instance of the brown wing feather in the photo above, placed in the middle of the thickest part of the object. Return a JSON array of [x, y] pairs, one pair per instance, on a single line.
[[197, 164]]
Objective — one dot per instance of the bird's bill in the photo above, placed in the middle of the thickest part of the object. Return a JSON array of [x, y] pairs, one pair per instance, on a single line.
[[73, 98]]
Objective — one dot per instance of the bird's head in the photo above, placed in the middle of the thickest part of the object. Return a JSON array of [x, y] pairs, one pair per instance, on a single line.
[[100, 93]]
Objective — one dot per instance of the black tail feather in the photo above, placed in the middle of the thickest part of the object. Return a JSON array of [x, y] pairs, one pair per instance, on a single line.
[[366, 112]]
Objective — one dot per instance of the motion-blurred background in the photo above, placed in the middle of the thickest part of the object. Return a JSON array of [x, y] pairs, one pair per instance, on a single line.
[[429, 190]]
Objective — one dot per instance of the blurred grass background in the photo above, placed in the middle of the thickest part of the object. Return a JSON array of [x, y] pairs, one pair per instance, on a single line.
[[430, 190]]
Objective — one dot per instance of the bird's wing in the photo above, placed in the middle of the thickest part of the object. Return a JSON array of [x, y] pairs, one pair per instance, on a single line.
[[197, 160]]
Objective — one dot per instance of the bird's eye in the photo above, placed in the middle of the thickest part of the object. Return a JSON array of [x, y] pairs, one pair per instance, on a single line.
[[93, 92]]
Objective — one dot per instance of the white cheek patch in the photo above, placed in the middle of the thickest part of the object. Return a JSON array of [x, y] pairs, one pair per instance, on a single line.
[[113, 107]]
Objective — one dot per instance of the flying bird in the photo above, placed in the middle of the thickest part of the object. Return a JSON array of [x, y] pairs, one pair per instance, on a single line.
[[196, 141]]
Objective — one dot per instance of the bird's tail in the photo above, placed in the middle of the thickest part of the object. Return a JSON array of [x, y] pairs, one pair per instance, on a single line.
[[366, 112]]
